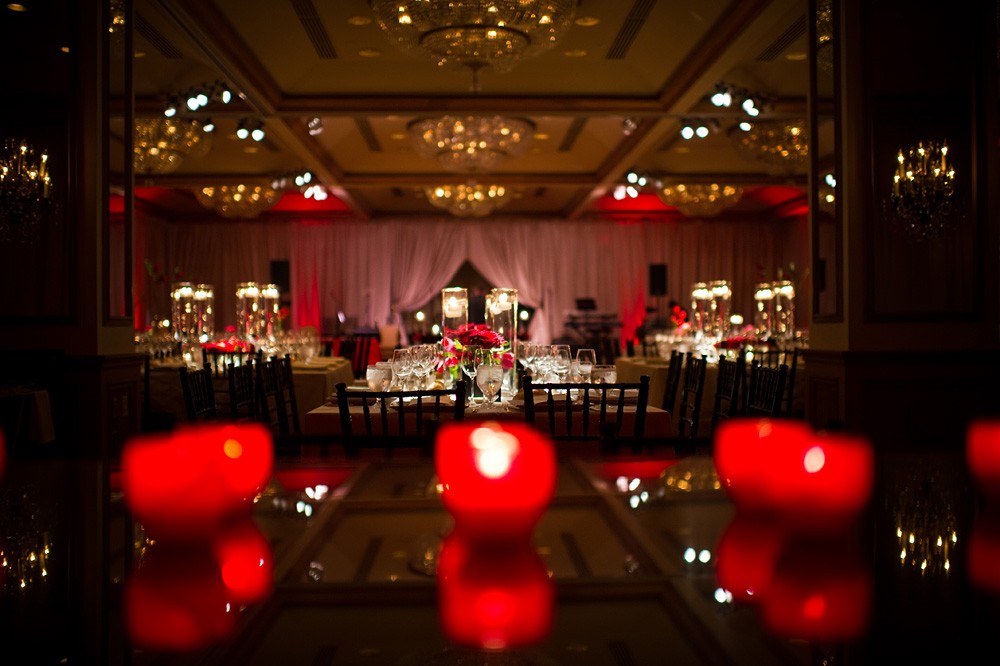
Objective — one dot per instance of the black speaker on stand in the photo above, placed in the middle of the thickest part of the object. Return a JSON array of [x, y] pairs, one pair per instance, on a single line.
[[658, 290]]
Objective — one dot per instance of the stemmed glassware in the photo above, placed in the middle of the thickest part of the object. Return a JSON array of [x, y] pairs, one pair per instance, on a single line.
[[489, 377], [378, 378], [585, 360], [469, 364], [562, 358], [402, 365]]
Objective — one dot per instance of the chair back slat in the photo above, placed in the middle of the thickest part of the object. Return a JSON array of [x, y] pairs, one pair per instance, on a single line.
[[199, 394], [418, 412], [729, 384], [765, 390], [606, 425], [691, 394]]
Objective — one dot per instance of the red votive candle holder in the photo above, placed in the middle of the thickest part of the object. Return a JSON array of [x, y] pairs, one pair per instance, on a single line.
[[747, 554], [752, 456], [984, 550], [245, 561], [982, 453], [184, 484], [176, 599], [827, 481], [821, 590], [496, 479], [493, 598]]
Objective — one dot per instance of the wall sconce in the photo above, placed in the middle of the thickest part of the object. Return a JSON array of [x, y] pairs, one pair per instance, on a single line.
[[923, 191]]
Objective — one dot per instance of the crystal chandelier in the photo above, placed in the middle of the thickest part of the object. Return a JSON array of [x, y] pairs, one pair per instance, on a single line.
[[469, 199], [475, 33], [923, 191], [25, 188], [700, 199], [471, 143], [162, 144], [774, 141], [238, 201]]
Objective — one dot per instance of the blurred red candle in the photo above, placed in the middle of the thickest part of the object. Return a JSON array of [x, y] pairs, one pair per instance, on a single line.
[[182, 484], [984, 550], [245, 562], [827, 481], [747, 554], [982, 452], [176, 599], [821, 590], [752, 455], [496, 479], [493, 597]]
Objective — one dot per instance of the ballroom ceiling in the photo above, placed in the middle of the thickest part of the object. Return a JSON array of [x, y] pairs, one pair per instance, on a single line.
[[608, 98]]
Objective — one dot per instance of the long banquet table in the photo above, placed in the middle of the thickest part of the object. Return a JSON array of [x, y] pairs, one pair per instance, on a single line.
[[315, 382], [325, 419]]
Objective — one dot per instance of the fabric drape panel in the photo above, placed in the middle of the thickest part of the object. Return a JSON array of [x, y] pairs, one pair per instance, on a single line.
[[375, 271], [422, 265]]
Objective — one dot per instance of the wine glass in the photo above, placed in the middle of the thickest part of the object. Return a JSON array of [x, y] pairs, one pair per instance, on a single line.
[[375, 376], [586, 359], [489, 378], [469, 362], [562, 358], [402, 365]]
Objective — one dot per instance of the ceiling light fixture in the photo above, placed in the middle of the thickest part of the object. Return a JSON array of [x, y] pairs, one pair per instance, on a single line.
[[923, 191], [160, 145], [775, 141], [723, 95], [238, 201], [471, 143], [699, 199], [468, 199], [475, 34], [315, 126]]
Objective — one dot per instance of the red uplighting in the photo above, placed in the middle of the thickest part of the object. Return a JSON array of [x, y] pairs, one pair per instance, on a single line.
[[183, 484], [496, 478]]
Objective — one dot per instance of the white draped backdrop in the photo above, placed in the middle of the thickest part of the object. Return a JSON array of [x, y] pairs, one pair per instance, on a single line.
[[375, 271]]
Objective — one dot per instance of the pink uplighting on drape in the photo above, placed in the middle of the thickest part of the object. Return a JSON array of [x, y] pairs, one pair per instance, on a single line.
[[376, 271]]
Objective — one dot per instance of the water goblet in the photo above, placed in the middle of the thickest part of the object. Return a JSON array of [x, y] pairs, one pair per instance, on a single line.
[[586, 359], [402, 365], [562, 358], [469, 362], [604, 374], [375, 375], [489, 378]]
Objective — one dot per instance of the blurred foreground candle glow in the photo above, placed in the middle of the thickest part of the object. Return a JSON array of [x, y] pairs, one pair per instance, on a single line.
[[187, 595], [185, 483], [982, 453], [491, 597], [496, 478], [784, 467]]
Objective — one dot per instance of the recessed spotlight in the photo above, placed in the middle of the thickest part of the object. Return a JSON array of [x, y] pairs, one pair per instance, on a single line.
[[359, 20], [140, 54], [16, 7], [250, 148], [795, 56], [64, 49], [398, 136], [587, 21], [369, 53], [575, 53], [541, 136]]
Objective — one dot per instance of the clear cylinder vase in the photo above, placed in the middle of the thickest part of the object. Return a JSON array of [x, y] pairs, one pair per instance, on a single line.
[[763, 316], [721, 308], [182, 312], [784, 309], [248, 311], [701, 308], [204, 309], [454, 315], [270, 308], [501, 317]]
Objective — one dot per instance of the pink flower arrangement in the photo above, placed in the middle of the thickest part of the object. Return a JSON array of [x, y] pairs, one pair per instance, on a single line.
[[455, 341], [229, 346]]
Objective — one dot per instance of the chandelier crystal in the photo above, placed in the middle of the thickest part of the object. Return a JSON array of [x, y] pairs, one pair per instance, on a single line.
[[497, 34], [471, 143], [238, 201], [782, 142], [162, 144], [923, 191], [25, 188], [468, 199], [700, 199]]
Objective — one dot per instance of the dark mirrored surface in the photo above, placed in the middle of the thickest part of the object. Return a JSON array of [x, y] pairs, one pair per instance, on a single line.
[[634, 551]]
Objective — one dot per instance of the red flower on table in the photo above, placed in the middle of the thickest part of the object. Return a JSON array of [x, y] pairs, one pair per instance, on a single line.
[[228, 346], [456, 340]]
